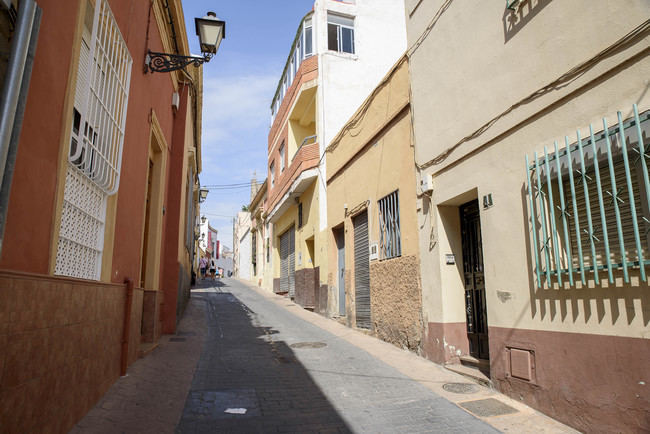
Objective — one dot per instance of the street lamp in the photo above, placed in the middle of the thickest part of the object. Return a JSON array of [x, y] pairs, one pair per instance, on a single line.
[[203, 194], [210, 30]]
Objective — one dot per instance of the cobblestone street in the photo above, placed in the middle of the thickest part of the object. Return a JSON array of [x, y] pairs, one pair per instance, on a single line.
[[264, 368]]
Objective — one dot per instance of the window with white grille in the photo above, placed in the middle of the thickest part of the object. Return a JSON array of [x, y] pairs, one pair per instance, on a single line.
[[390, 240], [97, 136]]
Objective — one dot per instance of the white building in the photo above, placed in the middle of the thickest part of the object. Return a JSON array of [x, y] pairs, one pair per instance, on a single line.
[[341, 52], [243, 245]]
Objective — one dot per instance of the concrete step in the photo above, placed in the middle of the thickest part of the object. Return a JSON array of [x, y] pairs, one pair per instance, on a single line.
[[146, 348], [473, 373], [473, 362]]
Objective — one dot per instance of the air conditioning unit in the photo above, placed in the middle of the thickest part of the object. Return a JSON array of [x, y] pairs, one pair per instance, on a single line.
[[374, 251], [426, 183]]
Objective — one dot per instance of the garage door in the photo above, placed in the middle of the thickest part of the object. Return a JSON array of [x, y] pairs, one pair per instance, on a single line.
[[361, 271]]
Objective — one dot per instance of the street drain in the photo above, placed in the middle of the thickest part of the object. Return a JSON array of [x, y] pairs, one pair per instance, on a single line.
[[465, 388], [487, 407], [176, 339], [308, 345]]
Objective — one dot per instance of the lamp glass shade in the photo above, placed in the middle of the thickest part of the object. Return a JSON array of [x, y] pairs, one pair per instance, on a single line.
[[203, 194], [211, 31]]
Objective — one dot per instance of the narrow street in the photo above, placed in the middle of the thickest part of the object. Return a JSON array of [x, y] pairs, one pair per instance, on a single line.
[[262, 364]]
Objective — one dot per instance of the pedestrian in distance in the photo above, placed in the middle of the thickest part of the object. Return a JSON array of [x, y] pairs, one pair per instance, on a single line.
[[203, 264], [213, 267]]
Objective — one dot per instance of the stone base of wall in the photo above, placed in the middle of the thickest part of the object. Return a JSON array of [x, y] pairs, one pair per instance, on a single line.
[[322, 300], [307, 281], [61, 347], [594, 383], [184, 288], [396, 301], [151, 315], [445, 342]]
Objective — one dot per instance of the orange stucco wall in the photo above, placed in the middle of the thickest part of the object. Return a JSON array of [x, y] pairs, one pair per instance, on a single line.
[[32, 206]]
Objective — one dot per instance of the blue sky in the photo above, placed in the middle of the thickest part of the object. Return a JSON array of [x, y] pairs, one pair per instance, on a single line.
[[239, 83]]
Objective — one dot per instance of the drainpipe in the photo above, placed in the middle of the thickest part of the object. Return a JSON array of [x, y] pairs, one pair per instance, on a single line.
[[126, 332], [14, 96]]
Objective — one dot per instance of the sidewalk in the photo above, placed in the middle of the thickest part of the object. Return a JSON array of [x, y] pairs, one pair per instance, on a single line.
[[151, 398]]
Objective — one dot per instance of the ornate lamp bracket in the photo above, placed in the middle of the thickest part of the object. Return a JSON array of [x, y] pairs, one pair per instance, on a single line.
[[163, 62]]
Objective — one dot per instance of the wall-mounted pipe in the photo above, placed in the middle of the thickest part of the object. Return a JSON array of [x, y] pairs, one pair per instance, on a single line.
[[14, 96], [126, 331]]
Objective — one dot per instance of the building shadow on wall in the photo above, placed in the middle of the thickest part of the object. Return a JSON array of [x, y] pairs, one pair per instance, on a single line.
[[244, 365], [578, 303], [522, 13]]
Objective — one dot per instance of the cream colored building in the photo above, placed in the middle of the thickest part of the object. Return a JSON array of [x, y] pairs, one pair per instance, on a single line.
[[373, 237], [522, 296]]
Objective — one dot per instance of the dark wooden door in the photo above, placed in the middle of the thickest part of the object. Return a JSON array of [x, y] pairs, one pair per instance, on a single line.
[[475, 307]]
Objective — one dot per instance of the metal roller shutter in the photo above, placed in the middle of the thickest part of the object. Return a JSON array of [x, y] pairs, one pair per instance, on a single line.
[[361, 271], [284, 262], [292, 262], [610, 216]]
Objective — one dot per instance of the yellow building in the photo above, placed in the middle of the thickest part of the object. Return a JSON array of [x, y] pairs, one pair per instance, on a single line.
[[373, 237]]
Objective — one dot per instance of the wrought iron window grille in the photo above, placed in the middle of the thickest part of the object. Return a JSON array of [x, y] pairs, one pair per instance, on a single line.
[[589, 205], [390, 240]]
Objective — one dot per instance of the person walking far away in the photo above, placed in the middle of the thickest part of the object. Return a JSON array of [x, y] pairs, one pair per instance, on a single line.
[[213, 267], [203, 264]]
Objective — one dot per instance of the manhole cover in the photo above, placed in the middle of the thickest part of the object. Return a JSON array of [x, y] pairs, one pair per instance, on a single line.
[[487, 407], [186, 334], [176, 339], [460, 387], [308, 345]]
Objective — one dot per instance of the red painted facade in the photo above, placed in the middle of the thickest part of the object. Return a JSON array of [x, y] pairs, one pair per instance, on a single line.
[[73, 329]]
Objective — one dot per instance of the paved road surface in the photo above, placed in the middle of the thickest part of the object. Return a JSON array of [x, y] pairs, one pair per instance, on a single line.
[[239, 349], [292, 376]]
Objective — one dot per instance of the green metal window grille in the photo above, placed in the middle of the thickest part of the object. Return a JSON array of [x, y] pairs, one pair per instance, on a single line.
[[254, 248], [589, 204], [390, 242]]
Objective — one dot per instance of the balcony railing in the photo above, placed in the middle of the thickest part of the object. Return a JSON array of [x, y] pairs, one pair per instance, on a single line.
[[306, 141]]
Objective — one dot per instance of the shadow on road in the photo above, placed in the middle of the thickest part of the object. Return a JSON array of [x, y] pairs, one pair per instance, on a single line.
[[246, 381]]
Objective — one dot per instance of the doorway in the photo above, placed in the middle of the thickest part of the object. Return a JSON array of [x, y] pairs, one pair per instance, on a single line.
[[145, 238], [474, 282], [287, 262], [339, 236]]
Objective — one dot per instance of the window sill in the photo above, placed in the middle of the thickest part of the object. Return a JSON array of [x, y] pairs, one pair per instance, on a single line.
[[342, 55]]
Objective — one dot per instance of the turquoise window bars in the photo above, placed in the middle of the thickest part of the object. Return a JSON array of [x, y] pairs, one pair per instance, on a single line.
[[589, 204]]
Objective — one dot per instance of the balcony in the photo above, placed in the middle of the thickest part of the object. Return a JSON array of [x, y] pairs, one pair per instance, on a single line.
[[295, 179]]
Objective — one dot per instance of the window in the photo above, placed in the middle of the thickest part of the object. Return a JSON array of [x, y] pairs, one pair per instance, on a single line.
[[309, 43], [268, 250], [97, 136], [591, 214], [390, 242], [302, 50], [254, 249], [340, 33], [300, 215], [272, 175], [282, 157], [189, 212]]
